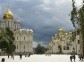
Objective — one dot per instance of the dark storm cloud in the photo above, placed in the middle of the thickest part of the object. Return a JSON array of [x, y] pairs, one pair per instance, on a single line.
[[2, 1], [43, 16]]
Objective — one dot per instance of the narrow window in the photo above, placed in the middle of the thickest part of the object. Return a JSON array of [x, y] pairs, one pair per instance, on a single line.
[[24, 38], [67, 48], [73, 48], [17, 37], [54, 43], [64, 48], [17, 46], [24, 46], [78, 42]]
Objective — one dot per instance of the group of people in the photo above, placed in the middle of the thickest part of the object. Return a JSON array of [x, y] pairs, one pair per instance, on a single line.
[[80, 56], [12, 56], [72, 57]]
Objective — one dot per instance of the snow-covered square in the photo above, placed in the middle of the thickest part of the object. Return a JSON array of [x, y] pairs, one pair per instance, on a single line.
[[40, 58]]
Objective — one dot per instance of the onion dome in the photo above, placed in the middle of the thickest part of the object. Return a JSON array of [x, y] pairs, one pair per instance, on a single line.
[[60, 30], [66, 33], [8, 15], [52, 37]]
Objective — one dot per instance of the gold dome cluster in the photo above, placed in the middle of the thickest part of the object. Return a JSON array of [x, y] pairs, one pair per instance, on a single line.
[[8, 15]]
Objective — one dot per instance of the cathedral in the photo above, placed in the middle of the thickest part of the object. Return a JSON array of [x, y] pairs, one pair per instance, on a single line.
[[23, 37], [62, 43]]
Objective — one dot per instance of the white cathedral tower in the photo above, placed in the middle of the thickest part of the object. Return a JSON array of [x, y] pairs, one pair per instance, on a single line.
[[23, 37]]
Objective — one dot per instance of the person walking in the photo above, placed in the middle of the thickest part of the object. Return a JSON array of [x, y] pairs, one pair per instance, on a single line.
[[3, 60], [8, 56], [20, 56]]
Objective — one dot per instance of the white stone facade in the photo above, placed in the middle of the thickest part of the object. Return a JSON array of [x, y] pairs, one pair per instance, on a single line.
[[12, 24], [63, 43], [23, 40], [23, 37]]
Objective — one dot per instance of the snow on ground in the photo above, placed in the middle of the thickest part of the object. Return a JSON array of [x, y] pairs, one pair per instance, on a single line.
[[40, 58]]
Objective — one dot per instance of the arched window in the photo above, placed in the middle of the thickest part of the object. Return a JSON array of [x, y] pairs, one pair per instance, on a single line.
[[64, 47]]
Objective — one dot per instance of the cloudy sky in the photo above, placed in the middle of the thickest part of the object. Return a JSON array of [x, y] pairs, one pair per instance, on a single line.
[[44, 17]]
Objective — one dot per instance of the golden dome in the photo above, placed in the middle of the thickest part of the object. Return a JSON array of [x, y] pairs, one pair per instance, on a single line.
[[66, 33], [60, 29], [70, 32], [8, 15], [52, 37]]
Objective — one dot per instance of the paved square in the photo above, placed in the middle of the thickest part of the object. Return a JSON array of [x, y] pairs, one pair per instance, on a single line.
[[40, 58]]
